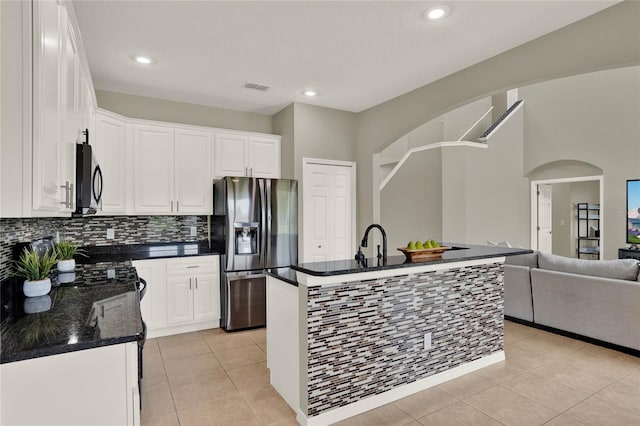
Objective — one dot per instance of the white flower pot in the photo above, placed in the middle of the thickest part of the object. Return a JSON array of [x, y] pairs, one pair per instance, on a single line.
[[34, 305], [68, 265], [66, 277], [36, 288]]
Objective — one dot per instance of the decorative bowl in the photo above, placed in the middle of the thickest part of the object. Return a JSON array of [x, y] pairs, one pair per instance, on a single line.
[[420, 255]]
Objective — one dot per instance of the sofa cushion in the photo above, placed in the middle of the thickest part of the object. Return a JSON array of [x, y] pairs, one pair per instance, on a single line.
[[529, 259], [621, 269]]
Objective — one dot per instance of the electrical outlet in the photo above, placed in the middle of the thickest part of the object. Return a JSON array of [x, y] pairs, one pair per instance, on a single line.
[[427, 341], [194, 231], [111, 273], [111, 234]]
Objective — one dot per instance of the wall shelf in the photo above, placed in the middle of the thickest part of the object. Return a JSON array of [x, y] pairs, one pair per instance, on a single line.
[[588, 216]]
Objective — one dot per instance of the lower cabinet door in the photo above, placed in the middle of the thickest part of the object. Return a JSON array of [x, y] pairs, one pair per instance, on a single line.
[[154, 303], [206, 297], [180, 299]]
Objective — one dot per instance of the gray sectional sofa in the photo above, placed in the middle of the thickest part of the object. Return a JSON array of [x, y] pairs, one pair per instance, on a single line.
[[597, 299]]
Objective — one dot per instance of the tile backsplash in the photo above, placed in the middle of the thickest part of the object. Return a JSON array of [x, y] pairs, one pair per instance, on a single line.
[[88, 231]]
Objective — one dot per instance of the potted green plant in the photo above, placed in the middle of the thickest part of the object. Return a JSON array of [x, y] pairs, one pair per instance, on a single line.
[[65, 250], [35, 270]]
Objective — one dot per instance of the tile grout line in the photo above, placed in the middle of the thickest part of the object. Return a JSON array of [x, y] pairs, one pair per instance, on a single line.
[[173, 401], [233, 383]]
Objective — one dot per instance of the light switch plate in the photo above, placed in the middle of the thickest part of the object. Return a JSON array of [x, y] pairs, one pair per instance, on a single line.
[[427, 341], [111, 234], [111, 273]]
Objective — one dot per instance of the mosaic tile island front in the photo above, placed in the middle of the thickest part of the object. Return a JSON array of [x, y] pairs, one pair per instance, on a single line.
[[368, 338]]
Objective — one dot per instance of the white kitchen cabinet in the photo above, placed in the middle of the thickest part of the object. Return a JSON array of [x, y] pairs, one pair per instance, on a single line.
[[193, 181], [62, 102], [183, 294], [193, 290], [48, 190], [110, 145], [264, 157], [245, 155], [88, 387], [154, 304], [180, 299], [172, 170], [154, 169], [206, 300], [231, 155]]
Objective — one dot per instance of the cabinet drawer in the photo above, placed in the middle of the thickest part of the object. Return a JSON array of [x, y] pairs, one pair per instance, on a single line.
[[192, 265]]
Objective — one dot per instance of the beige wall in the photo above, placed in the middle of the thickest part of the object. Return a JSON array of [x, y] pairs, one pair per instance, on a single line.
[[562, 220], [592, 118], [497, 193], [608, 39], [322, 133], [411, 203], [283, 125], [179, 112]]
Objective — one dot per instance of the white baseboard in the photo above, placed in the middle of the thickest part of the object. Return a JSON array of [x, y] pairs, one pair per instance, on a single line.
[[183, 328], [375, 401]]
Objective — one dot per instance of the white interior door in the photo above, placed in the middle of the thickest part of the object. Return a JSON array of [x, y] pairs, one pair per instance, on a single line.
[[328, 211], [544, 218]]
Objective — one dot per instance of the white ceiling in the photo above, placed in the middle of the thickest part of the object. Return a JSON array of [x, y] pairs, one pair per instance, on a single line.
[[357, 54]]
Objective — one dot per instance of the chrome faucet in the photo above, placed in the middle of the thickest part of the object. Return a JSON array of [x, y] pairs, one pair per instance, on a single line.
[[365, 241]]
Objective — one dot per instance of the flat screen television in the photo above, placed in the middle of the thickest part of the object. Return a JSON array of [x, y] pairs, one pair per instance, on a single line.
[[633, 211]]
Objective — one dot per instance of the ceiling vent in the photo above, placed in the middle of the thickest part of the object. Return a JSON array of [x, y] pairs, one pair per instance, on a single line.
[[256, 86]]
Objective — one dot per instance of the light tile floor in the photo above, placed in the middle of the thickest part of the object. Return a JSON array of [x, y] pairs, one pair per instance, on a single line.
[[214, 378]]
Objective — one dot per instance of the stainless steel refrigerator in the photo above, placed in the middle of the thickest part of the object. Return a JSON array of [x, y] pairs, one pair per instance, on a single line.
[[256, 221]]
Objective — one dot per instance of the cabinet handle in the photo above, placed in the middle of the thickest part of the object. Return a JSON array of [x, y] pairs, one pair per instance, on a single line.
[[66, 194], [178, 206], [71, 196], [189, 283], [196, 283], [246, 171], [171, 205], [193, 266]]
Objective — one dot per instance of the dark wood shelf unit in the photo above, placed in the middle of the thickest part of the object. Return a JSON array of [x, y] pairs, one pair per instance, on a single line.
[[588, 220]]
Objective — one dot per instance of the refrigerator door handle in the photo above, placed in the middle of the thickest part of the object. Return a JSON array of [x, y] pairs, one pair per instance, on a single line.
[[267, 190], [263, 233]]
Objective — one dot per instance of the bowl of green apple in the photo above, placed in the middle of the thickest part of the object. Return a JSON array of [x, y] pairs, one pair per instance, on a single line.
[[419, 251]]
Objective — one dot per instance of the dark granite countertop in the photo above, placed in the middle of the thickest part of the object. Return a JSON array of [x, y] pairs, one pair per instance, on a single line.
[[124, 252], [459, 253], [287, 275], [97, 305]]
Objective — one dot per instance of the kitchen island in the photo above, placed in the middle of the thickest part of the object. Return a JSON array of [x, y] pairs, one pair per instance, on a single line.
[[352, 336]]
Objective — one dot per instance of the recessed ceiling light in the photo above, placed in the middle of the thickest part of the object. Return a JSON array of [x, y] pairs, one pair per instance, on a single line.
[[144, 60], [310, 92], [437, 12]]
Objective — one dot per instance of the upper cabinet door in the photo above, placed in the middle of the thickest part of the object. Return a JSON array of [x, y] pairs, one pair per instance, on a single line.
[[231, 155], [109, 143], [48, 190], [153, 169], [193, 179], [71, 134], [264, 157]]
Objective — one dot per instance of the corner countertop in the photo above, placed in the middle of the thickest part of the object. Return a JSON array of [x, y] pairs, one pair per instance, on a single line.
[[459, 253], [287, 275], [96, 305], [126, 252]]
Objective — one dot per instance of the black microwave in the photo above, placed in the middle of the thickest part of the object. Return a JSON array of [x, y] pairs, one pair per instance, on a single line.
[[88, 179]]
